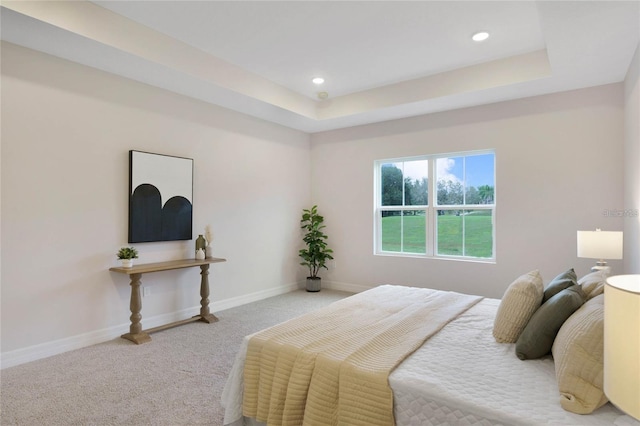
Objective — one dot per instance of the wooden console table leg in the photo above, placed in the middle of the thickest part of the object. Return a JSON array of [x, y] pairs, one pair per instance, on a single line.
[[135, 334], [205, 315]]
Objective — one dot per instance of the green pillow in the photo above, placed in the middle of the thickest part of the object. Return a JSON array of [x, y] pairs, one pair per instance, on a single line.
[[537, 338], [559, 283]]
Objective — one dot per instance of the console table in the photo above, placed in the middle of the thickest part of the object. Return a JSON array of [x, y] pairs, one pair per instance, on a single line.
[[136, 334]]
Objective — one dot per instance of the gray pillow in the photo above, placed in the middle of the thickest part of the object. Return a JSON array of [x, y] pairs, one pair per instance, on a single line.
[[537, 338], [559, 283]]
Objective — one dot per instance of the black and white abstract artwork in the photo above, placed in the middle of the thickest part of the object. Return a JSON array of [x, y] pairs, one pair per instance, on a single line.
[[160, 197]]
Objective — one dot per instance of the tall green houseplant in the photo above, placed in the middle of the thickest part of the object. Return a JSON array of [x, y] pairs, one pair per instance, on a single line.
[[317, 253]]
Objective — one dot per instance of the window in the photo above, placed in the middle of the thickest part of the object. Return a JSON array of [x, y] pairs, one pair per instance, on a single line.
[[436, 206]]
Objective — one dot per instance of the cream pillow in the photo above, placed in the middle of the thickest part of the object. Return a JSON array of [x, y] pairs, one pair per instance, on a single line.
[[520, 301], [578, 353], [593, 284]]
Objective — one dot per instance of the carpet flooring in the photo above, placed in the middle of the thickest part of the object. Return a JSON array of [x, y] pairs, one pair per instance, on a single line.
[[174, 380]]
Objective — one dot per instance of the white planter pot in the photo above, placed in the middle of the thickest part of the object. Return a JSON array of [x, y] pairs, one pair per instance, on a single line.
[[127, 263], [314, 284]]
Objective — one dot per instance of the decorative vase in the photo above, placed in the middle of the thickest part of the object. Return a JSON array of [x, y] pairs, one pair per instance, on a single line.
[[200, 254], [200, 243], [208, 251], [314, 284], [127, 263]]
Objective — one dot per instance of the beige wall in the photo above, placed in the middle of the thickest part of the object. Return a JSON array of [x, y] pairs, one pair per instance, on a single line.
[[558, 166], [66, 133], [632, 166], [67, 130]]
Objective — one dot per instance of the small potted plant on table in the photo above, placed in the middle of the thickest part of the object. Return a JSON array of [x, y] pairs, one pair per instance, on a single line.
[[127, 254], [317, 253]]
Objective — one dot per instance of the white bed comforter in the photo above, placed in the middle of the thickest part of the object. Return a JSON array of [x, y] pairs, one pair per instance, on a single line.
[[461, 376]]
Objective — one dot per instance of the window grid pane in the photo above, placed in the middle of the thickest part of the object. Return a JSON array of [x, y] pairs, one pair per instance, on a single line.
[[467, 233], [391, 184], [450, 233], [391, 227], [403, 231], [478, 236], [414, 235], [450, 181], [416, 182]]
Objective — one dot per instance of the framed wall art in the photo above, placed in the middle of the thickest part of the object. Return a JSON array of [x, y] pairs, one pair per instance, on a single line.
[[160, 197]]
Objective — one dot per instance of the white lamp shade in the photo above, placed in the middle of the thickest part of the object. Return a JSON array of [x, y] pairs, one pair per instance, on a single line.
[[622, 343], [600, 244]]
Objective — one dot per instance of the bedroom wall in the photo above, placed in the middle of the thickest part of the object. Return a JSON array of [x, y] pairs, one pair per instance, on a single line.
[[558, 167], [632, 166], [66, 133]]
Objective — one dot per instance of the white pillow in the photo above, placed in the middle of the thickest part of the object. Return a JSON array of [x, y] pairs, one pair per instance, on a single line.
[[521, 299], [578, 353]]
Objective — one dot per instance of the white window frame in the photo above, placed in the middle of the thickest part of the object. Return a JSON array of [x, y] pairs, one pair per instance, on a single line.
[[430, 209]]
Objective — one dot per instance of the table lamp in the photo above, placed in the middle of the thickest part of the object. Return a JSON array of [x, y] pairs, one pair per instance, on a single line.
[[600, 245], [622, 343]]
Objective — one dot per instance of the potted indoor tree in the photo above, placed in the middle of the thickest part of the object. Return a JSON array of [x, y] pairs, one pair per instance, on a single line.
[[317, 253], [127, 254]]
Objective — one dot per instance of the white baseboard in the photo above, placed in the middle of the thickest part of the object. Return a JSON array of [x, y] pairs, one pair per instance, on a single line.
[[55, 347], [44, 350], [252, 297], [351, 288]]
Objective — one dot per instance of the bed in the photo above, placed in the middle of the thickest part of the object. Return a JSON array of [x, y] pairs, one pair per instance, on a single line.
[[459, 375]]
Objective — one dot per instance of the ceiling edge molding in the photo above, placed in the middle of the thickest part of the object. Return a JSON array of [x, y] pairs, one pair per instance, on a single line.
[[93, 22], [489, 75]]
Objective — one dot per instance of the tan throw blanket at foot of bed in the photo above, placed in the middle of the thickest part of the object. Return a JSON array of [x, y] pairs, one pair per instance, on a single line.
[[331, 366]]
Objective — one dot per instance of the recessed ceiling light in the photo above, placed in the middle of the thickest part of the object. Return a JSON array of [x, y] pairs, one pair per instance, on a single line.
[[480, 36], [318, 80]]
